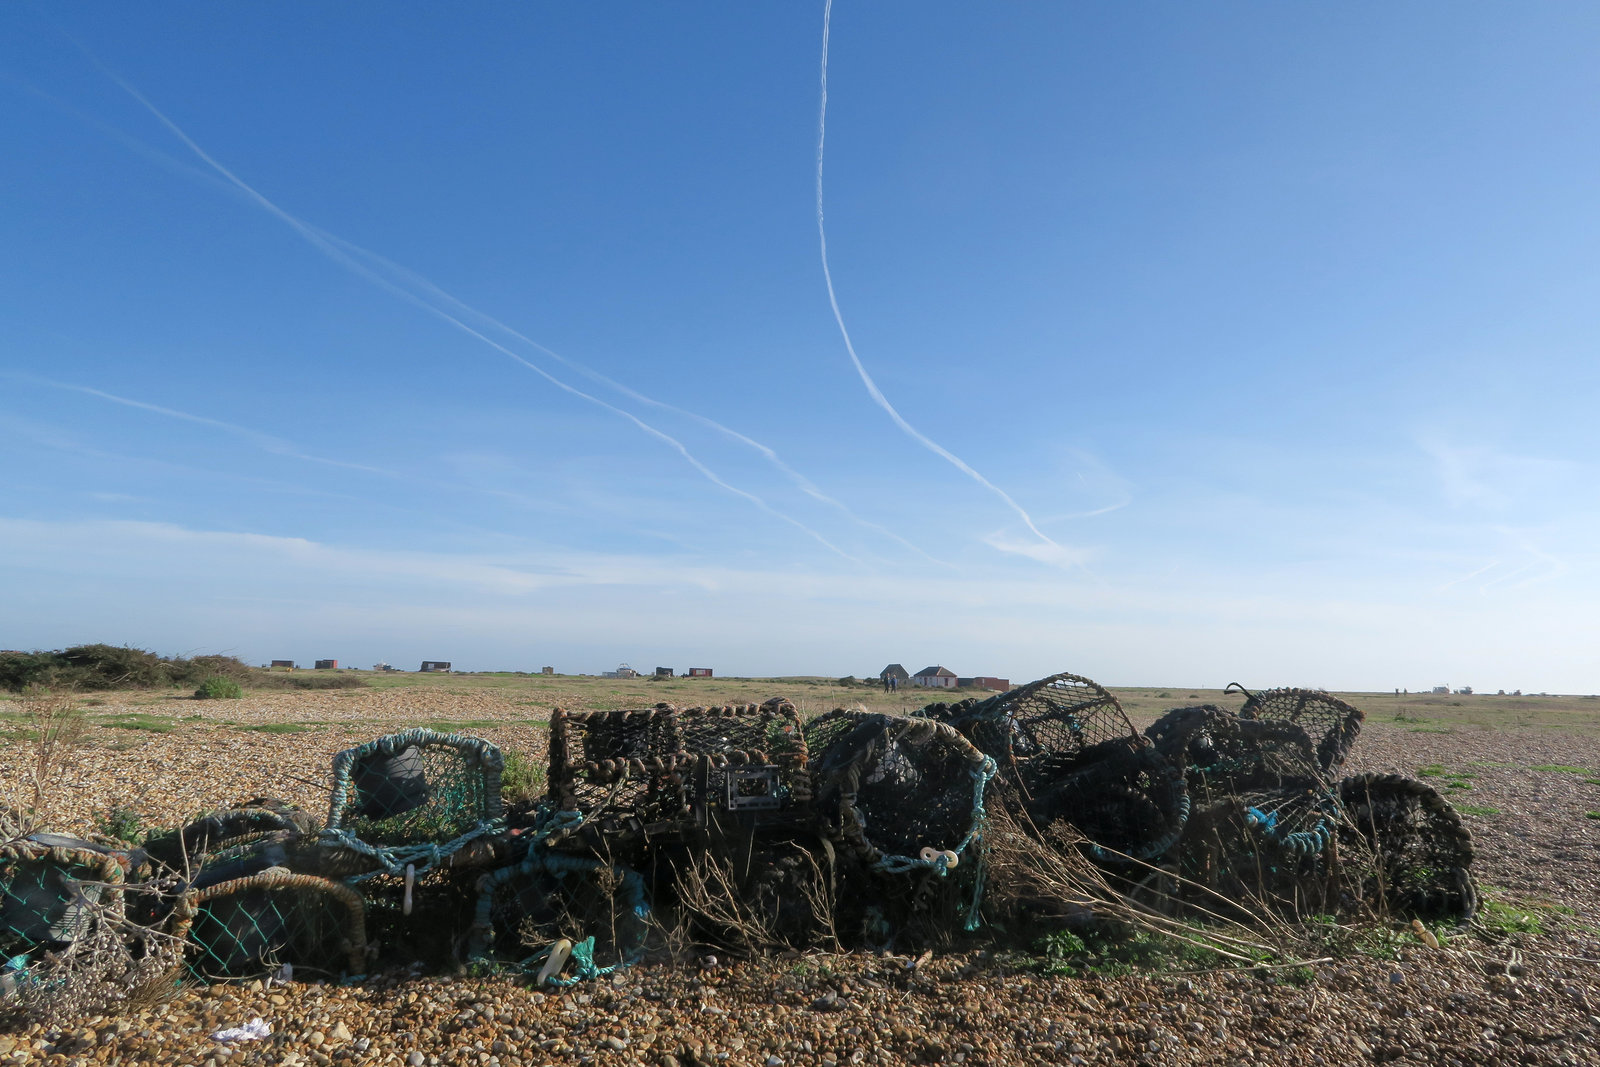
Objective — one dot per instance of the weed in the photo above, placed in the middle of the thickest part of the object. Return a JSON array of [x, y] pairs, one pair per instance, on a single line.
[[1433, 770], [1591, 815], [1504, 917], [276, 728], [1477, 809], [218, 689], [521, 780], [1591, 781], [122, 823]]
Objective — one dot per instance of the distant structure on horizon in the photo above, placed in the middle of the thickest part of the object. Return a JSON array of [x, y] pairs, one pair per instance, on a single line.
[[547, 670], [697, 672], [432, 666], [663, 672], [999, 685], [327, 665], [895, 671], [282, 665], [622, 671], [935, 677]]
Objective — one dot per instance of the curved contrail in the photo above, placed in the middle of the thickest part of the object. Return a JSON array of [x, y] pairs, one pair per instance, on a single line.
[[866, 379], [328, 247]]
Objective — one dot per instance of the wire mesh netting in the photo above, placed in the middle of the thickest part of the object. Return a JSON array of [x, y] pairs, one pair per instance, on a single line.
[[552, 897], [895, 790], [1422, 852], [1222, 754], [416, 786], [52, 890], [1121, 794], [250, 926], [1331, 724], [263, 818]]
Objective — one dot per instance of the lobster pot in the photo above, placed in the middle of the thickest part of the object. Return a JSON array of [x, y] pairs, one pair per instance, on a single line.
[[1416, 854], [247, 927], [1122, 796], [1274, 849], [415, 787], [1223, 755], [1039, 730], [52, 893], [431, 929], [1330, 723], [552, 896], [750, 760], [630, 763], [229, 831], [897, 792]]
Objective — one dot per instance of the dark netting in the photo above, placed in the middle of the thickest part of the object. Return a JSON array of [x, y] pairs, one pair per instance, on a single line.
[[1224, 755], [53, 889], [624, 769], [416, 786], [427, 916], [253, 925], [1120, 794], [750, 760], [1331, 724], [187, 847], [898, 792], [595, 910], [1039, 730], [1421, 854], [1267, 848]]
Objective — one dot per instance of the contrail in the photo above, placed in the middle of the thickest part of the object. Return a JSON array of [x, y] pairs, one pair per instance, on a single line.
[[276, 445], [806, 485], [866, 379], [316, 238]]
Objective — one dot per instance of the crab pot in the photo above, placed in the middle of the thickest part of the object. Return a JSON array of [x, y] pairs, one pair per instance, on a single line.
[[552, 895], [51, 891], [1418, 853], [1330, 723], [416, 786], [250, 926], [1038, 731]]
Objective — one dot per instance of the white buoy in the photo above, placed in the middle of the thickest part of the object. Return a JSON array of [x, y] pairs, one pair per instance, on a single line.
[[554, 962]]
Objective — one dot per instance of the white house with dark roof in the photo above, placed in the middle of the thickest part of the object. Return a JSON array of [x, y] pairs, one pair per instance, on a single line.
[[935, 678]]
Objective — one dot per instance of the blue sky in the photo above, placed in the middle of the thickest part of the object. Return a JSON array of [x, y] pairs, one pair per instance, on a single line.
[[1239, 341]]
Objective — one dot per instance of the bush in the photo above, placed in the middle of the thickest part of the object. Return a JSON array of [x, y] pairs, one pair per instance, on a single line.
[[218, 689], [99, 667]]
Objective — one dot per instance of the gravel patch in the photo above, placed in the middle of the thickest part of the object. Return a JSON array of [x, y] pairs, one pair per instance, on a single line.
[[1519, 1000]]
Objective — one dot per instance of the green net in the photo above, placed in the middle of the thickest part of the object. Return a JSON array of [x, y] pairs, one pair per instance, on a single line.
[[252, 926], [52, 892], [412, 799]]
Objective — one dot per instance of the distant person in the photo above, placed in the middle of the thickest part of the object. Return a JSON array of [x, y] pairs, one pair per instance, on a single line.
[[894, 683]]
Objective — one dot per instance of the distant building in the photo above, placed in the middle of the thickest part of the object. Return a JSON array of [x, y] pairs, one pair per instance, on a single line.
[[431, 666], [698, 672], [935, 678], [981, 681], [282, 664], [895, 671], [622, 671], [383, 667], [1464, 691], [1441, 689], [663, 672], [547, 670], [327, 665]]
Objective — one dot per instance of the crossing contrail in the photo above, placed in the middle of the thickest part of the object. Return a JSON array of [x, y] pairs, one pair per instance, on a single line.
[[330, 248], [805, 485], [866, 379]]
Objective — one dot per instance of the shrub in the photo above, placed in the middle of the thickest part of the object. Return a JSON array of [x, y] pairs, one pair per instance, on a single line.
[[218, 689], [122, 823]]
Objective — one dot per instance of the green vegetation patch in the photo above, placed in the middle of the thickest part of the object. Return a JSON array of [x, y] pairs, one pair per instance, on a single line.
[[1433, 770], [1481, 810], [276, 728], [219, 689]]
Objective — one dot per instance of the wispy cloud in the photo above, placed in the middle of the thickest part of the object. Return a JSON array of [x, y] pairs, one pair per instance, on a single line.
[[866, 379]]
